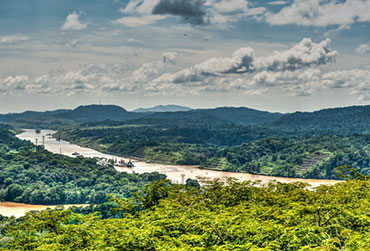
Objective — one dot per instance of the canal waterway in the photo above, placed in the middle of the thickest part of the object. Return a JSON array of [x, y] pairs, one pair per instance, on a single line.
[[176, 173]]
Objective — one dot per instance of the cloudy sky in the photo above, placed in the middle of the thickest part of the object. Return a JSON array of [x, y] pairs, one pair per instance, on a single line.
[[270, 55]]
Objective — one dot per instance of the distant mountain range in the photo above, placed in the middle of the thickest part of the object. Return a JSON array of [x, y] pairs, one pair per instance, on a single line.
[[345, 120], [164, 108]]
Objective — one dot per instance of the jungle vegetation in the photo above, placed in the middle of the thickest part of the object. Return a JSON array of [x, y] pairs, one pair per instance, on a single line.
[[30, 174], [220, 215], [227, 146]]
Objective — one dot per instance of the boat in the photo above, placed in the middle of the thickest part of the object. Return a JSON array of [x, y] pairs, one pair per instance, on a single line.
[[122, 163], [75, 154]]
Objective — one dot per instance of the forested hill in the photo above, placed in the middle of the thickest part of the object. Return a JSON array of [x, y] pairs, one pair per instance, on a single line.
[[342, 121], [30, 174], [93, 113], [97, 113], [241, 115]]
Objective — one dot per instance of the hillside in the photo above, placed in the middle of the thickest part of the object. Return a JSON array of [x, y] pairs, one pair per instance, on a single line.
[[30, 174], [343, 121], [97, 113], [306, 157]]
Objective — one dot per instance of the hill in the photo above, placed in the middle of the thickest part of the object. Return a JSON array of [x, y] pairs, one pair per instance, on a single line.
[[94, 113], [99, 113], [342, 121], [164, 108]]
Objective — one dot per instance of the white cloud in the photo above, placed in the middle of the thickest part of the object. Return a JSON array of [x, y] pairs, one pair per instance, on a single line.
[[303, 83], [304, 54], [299, 83], [13, 39], [90, 79], [73, 23], [139, 21], [363, 48], [322, 13], [130, 7], [230, 11], [139, 13], [227, 6], [278, 2], [13, 83]]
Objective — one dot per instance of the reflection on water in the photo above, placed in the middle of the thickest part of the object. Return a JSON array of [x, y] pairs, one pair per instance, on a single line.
[[176, 173]]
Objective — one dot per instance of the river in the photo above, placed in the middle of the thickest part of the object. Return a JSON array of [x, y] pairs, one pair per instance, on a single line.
[[19, 209], [176, 173]]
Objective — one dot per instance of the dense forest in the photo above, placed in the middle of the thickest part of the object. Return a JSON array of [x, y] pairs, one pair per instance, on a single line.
[[220, 215], [148, 212], [300, 144], [227, 146], [306, 157], [30, 174], [170, 140]]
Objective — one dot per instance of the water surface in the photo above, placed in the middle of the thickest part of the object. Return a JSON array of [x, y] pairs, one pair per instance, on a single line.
[[176, 173]]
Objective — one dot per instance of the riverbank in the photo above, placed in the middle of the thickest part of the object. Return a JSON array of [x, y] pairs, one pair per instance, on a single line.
[[176, 173], [20, 209]]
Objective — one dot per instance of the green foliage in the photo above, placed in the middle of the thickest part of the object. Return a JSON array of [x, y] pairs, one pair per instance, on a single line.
[[32, 175], [221, 145], [306, 157], [221, 215], [176, 141]]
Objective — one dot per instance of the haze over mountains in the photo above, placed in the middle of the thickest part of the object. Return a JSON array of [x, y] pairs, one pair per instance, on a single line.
[[345, 120], [164, 108]]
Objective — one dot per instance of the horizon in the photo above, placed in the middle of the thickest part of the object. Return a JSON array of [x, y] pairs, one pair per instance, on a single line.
[[193, 108], [279, 56]]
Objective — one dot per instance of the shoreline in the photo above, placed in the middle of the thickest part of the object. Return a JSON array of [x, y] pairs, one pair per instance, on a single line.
[[138, 159], [176, 173]]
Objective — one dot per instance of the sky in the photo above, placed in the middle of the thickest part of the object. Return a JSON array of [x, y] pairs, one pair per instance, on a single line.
[[279, 56]]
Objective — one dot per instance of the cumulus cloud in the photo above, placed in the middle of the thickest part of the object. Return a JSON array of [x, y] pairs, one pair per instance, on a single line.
[[306, 82], [363, 49], [304, 54], [90, 79], [322, 13], [14, 83], [73, 23], [299, 83], [13, 39]]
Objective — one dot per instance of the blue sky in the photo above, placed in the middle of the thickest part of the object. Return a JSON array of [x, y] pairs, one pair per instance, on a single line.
[[270, 55]]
